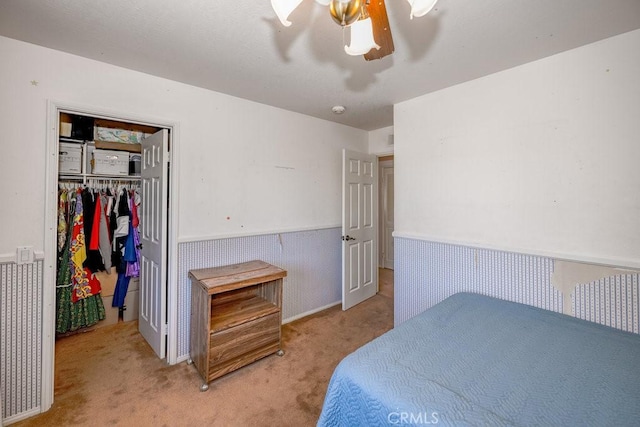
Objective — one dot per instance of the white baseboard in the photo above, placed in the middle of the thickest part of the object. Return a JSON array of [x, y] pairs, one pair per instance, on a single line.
[[310, 312]]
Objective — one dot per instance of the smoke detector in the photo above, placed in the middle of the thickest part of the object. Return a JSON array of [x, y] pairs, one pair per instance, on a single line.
[[338, 109]]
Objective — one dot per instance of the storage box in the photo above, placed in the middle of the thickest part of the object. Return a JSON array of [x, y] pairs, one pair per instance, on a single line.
[[134, 164], [65, 125], [131, 300], [65, 129], [118, 146], [119, 132], [112, 313], [118, 135], [88, 148], [107, 282], [131, 303], [70, 157], [81, 127], [107, 162], [134, 284]]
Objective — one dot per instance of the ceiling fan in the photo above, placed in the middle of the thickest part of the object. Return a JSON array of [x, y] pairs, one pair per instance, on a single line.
[[367, 20]]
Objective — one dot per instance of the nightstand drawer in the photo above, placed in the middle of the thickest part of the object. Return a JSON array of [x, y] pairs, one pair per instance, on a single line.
[[234, 343]]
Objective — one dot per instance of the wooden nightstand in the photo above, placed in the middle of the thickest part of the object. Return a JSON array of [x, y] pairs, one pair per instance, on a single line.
[[236, 316]]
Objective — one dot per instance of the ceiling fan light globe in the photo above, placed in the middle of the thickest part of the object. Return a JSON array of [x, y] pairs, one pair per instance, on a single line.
[[421, 7], [345, 12], [323, 2], [361, 38], [283, 9]]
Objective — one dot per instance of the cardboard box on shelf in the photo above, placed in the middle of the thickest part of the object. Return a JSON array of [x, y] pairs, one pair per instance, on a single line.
[[65, 129], [70, 158], [66, 125], [118, 146], [119, 132], [118, 135], [109, 162]]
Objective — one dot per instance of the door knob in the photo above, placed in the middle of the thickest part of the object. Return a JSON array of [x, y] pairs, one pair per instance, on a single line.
[[347, 237]]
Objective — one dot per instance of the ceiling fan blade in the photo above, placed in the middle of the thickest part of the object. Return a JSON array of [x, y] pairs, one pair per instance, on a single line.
[[381, 30]]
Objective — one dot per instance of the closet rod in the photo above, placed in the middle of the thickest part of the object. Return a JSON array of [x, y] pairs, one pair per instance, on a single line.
[[101, 177]]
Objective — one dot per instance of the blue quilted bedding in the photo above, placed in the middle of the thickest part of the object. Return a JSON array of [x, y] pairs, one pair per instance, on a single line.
[[473, 360]]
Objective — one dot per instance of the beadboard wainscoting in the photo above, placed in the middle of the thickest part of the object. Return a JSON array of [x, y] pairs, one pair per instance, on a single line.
[[613, 301], [313, 260], [427, 272], [20, 339]]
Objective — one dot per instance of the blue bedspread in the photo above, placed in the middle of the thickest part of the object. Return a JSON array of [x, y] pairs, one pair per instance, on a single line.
[[473, 360]]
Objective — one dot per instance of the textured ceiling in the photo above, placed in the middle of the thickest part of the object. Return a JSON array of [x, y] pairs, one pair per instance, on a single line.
[[240, 48]]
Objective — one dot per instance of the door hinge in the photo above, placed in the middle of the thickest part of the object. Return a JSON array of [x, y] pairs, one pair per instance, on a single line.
[[165, 329]]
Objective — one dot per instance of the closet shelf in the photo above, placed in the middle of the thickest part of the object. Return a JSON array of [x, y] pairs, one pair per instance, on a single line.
[[85, 176]]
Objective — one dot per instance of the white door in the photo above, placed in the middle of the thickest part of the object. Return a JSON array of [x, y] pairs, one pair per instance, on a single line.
[[387, 217], [153, 237], [359, 225]]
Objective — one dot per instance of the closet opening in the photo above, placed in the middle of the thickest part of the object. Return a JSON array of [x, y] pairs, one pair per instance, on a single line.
[[112, 230]]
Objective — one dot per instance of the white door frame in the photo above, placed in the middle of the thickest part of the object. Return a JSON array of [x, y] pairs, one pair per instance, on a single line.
[[50, 235], [384, 240]]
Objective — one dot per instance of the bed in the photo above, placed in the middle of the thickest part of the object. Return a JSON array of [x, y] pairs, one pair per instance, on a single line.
[[473, 360]]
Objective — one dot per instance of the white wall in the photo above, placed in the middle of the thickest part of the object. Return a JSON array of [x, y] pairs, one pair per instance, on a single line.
[[379, 142], [264, 168], [541, 159]]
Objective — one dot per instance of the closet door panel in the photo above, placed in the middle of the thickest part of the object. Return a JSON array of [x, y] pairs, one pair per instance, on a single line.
[[153, 290]]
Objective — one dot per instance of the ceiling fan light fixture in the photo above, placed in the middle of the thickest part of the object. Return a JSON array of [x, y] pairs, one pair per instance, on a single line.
[[421, 7], [368, 19], [345, 12], [361, 38], [283, 9]]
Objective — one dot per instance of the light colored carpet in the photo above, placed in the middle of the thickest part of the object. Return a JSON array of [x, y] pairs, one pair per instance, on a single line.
[[110, 376]]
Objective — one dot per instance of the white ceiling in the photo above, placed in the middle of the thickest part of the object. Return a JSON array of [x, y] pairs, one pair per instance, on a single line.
[[240, 48]]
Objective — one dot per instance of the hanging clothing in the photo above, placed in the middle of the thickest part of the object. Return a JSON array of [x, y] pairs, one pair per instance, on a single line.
[[129, 257], [100, 234], [121, 230], [62, 219], [93, 259], [95, 232], [130, 261], [120, 293], [132, 253], [81, 285], [71, 316], [135, 202], [132, 247]]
